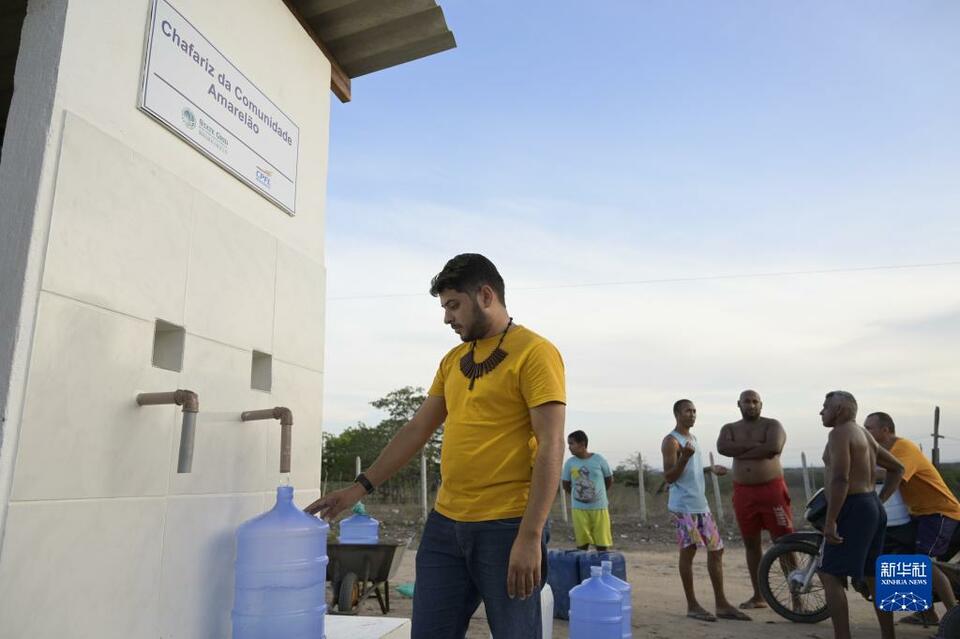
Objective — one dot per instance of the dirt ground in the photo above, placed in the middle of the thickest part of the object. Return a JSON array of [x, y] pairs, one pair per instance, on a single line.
[[658, 603]]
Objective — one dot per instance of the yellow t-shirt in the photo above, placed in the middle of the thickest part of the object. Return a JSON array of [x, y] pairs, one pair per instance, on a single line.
[[923, 489], [486, 459]]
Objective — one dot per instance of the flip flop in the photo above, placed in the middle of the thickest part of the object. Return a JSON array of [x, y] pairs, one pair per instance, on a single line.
[[702, 616], [752, 605], [736, 615]]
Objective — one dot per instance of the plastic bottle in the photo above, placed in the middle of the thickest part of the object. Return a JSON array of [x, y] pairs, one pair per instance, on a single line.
[[595, 609], [360, 528], [281, 572], [621, 586]]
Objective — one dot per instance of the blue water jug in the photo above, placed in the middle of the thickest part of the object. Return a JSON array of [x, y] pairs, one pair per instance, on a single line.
[[626, 605], [595, 609], [360, 528], [563, 575], [281, 572], [593, 558]]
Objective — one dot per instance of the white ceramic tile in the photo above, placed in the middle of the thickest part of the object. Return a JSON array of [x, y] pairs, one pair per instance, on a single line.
[[300, 390], [230, 284], [88, 568], [83, 434], [299, 320], [199, 547], [121, 226], [228, 454]]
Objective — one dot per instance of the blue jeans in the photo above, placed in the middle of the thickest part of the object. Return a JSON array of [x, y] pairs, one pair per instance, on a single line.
[[458, 565]]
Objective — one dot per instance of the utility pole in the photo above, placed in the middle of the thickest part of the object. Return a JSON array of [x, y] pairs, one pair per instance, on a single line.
[[935, 455]]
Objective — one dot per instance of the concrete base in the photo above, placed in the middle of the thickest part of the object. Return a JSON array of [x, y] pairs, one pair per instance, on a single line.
[[346, 627]]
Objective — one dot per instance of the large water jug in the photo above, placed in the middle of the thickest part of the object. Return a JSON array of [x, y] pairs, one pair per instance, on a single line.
[[360, 528], [281, 573], [626, 607], [595, 609]]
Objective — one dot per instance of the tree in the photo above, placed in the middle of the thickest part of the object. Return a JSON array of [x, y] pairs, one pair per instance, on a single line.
[[626, 472], [340, 451]]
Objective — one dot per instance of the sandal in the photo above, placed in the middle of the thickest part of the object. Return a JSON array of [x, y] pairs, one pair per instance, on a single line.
[[701, 616]]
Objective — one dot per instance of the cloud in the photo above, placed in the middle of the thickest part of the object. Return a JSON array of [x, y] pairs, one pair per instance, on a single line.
[[631, 350]]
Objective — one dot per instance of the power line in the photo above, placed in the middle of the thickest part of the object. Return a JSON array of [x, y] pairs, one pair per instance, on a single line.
[[676, 280]]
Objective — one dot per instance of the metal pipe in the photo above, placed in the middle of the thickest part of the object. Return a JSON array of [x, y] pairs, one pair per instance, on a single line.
[[187, 431], [191, 406], [285, 415]]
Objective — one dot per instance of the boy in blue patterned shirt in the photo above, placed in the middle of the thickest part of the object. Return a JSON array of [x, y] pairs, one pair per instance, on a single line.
[[586, 476]]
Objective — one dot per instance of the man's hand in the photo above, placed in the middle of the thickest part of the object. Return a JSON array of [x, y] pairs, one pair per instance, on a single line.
[[830, 533], [523, 571], [687, 451], [336, 502], [718, 470]]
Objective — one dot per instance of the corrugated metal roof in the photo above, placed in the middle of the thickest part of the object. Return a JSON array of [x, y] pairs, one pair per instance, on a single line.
[[365, 36]]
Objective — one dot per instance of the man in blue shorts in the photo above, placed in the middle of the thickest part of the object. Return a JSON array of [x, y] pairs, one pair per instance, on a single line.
[[855, 521]]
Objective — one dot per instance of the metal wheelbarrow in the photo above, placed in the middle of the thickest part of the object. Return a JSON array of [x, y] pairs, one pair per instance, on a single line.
[[359, 571]]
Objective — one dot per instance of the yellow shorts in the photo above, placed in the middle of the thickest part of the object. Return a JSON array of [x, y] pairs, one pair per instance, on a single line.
[[592, 527]]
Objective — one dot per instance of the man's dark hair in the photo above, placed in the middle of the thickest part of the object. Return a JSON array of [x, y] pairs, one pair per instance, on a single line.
[[578, 436], [678, 404], [466, 273], [885, 421]]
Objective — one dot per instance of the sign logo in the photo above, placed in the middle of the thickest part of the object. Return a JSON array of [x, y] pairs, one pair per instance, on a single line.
[[189, 119], [263, 176], [903, 583]]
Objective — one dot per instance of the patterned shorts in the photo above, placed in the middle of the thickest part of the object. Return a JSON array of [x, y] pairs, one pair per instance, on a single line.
[[697, 529]]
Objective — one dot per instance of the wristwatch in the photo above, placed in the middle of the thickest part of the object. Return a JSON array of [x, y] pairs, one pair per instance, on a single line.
[[363, 481]]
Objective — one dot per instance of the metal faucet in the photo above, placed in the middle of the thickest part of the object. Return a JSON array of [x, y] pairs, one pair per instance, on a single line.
[[191, 406], [285, 415]]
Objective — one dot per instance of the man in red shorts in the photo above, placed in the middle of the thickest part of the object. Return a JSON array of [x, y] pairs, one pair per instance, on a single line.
[[760, 497]]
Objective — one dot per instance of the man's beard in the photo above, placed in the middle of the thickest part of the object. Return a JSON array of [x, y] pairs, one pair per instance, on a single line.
[[478, 328]]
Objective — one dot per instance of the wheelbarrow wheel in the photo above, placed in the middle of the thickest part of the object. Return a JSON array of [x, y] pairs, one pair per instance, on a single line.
[[347, 595]]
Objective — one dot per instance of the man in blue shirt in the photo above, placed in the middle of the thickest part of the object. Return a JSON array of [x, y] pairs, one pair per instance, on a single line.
[[683, 469], [586, 476]]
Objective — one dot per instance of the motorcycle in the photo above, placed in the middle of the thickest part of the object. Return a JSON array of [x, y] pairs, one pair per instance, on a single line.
[[790, 585], [788, 577]]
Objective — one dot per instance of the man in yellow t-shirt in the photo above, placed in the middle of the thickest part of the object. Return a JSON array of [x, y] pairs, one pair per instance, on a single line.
[[932, 504], [501, 398]]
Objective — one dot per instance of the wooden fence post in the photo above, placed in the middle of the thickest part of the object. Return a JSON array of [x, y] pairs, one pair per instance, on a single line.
[[716, 490], [643, 491]]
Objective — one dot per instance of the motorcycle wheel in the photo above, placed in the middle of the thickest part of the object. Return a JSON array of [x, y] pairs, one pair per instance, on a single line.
[[774, 577]]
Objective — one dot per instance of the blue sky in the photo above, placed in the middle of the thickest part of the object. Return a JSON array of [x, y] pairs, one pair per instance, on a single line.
[[578, 144]]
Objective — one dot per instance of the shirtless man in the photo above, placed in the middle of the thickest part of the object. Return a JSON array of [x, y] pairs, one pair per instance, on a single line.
[[855, 520], [760, 497]]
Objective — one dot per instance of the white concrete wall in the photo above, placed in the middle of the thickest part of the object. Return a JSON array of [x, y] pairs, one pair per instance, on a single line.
[[102, 537]]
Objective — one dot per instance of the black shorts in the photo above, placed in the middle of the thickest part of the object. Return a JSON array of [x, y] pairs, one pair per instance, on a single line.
[[934, 533], [900, 540], [861, 524]]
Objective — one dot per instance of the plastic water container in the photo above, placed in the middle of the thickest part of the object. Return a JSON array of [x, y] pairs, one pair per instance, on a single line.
[[593, 558], [595, 609], [546, 612], [563, 575], [281, 572], [359, 529], [626, 606]]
